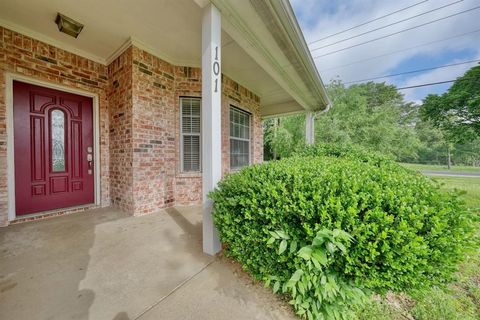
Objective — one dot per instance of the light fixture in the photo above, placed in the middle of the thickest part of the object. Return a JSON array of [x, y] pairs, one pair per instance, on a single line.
[[68, 25]]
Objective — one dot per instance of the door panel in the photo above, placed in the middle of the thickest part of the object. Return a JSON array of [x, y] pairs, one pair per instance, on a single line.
[[53, 131]]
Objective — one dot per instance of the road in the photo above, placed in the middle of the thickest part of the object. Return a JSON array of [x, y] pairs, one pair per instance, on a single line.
[[451, 174]]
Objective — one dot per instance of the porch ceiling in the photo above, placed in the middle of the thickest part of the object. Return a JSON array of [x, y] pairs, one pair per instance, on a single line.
[[171, 30]]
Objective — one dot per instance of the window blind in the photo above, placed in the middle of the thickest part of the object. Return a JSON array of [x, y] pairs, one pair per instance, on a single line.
[[239, 138], [190, 134]]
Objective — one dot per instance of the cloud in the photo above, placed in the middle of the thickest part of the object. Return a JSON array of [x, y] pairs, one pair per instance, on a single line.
[[320, 18]]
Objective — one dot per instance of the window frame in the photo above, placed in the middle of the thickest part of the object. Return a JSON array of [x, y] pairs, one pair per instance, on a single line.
[[249, 140], [182, 134]]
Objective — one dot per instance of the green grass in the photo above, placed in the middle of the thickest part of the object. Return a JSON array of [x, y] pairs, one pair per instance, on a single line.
[[469, 185], [460, 300], [416, 166]]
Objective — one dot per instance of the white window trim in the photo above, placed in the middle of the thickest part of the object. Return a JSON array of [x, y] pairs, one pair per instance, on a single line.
[[182, 170], [250, 115]]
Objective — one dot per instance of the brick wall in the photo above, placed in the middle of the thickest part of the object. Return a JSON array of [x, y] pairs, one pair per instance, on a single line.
[[120, 133], [139, 119], [22, 55], [153, 132], [157, 88]]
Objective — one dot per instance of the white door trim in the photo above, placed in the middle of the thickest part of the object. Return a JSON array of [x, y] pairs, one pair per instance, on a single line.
[[10, 77]]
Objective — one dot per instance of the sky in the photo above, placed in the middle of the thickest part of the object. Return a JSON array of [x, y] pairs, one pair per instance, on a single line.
[[451, 43]]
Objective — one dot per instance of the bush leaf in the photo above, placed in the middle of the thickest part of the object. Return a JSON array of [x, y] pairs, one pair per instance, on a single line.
[[282, 247]]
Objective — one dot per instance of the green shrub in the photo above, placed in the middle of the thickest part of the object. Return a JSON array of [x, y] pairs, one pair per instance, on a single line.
[[316, 289], [405, 233], [344, 151]]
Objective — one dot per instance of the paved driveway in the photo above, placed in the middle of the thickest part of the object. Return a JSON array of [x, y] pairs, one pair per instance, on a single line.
[[104, 264]]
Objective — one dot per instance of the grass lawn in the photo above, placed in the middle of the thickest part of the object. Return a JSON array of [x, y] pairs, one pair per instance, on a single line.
[[416, 166], [460, 300], [471, 187]]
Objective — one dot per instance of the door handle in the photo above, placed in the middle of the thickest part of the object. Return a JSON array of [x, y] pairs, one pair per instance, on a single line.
[[90, 163]]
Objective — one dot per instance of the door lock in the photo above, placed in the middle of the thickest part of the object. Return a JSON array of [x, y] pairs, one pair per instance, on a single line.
[[90, 159]]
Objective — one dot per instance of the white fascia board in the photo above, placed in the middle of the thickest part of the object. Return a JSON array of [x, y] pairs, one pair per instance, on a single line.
[[245, 31], [289, 21]]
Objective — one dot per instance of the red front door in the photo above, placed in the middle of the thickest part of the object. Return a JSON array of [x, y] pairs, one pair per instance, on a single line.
[[53, 133]]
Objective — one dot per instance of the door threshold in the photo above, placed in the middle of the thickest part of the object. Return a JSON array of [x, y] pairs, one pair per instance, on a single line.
[[52, 213]]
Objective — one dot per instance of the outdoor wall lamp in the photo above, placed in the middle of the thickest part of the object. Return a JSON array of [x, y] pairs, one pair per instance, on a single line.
[[68, 25]]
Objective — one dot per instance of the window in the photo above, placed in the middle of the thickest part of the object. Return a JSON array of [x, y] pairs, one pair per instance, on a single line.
[[57, 136], [239, 138], [190, 134]]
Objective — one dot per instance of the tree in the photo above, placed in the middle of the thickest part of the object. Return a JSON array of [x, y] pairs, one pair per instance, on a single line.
[[373, 115], [457, 111], [433, 145], [283, 135]]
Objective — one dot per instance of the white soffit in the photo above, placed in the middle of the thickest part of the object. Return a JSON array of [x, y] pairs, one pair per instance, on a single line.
[[168, 29]]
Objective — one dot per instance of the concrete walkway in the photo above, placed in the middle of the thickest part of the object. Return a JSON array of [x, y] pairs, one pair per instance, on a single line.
[[103, 264]]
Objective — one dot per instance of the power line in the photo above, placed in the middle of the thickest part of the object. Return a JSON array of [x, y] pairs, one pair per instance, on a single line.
[[426, 84], [388, 25], [398, 32], [402, 50], [413, 71], [436, 83], [367, 22]]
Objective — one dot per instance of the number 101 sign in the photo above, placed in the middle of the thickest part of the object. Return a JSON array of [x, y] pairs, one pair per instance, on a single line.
[[216, 69]]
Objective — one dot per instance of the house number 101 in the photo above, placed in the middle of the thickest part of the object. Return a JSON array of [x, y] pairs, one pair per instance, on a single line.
[[216, 68]]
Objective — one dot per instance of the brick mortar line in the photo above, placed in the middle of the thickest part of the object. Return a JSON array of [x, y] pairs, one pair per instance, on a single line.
[[141, 314]]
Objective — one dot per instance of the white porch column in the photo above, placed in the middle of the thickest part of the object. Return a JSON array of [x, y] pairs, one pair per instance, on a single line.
[[310, 128], [211, 120]]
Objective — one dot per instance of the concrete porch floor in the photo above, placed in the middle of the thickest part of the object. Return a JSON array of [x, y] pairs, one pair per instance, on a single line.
[[104, 264]]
